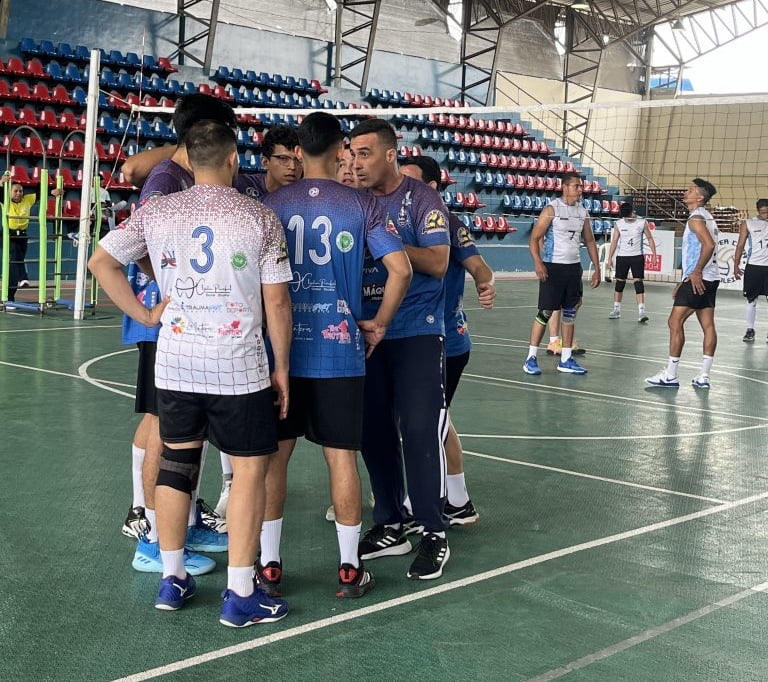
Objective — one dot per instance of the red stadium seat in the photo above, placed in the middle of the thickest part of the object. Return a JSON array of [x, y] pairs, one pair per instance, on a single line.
[[7, 116], [40, 94], [34, 146], [35, 69], [489, 224], [15, 145], [20, 175], [458, 200], [446, 178], [72, 208], [60, 95], [20, 90], [514, 162], [534, 147], [48, 120], [75, 149], [27, 116], [522, 163], [15, 66], [525, 147], [54, 146], [501, 224], [68, 121], [69, 180], [541, 165], [165, 64], [503, 161]]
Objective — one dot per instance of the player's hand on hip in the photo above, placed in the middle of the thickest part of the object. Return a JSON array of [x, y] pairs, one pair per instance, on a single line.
[[373, 332], [697, 283], [155, 314], [279, 380]]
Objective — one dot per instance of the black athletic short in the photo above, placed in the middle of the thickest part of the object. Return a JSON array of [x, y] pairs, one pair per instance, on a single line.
[[563, 287], [687, 299], [236, 424], [146, 393], [328, 412], [454, 366], [755, 281], [626, 263]]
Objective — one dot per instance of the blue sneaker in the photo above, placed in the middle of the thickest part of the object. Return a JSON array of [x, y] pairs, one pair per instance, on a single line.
[[147, 560], [531, 366], [174, 592], [661, 379], [240, 612], [200, 538], [570, 366]]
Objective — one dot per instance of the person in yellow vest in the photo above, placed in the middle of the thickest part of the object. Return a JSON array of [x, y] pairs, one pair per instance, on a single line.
[[18, 220]]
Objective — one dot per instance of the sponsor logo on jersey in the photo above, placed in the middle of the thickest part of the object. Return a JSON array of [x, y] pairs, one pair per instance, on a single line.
[[430, 319], [390, 226], [342, 307], [373, 292], [178, 325], [239, 260], [345, 241], [465, 239], [302, 332], [283, 252], [314, 191], [434, 222], [337, 332], [141, 279], [168, 260], [231, 330]]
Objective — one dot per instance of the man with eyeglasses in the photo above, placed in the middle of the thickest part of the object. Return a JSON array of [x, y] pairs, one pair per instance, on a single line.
[[556, 251]]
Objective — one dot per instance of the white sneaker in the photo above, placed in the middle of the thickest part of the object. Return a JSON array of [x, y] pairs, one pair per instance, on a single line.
[[24, 283], [661, 379], [643, 318], [700, 381], [221, 505], [615, 315], [330, 514]]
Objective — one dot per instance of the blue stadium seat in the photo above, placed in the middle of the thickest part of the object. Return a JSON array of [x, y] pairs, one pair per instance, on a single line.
[[162, 130], [527, 202], [597, 226], [82, 53], [597, 205], [73, 74], [158, 85], [173, 86], [237, 76], [303, 85], [539, 203], [116, 57], [53, 69], [499, 180], [79, 96], [142, 83], [65, 52], [132, 60], [124, 81], [27, 46], [150, 63], [517, 202], [222, 74], [107, 124], [47, 48], [251, 77], [108, 79], [277, 81], [189, 88], [290, 83]]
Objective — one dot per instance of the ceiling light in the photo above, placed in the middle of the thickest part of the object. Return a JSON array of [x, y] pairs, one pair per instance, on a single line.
[[677, 25], [580, 5]]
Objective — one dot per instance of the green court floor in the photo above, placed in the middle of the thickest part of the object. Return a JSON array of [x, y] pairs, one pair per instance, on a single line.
[[622, 532]]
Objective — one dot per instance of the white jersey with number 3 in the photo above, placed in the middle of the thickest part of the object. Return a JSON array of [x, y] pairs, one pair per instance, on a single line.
[[562, 240]]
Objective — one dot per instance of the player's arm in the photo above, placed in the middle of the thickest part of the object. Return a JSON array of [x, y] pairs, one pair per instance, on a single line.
[[146, 267], [699, 228], [430, 260], [589, 241], [279, 319], [483, 277], [615, 237], [399, 273], [109, 273], [651, 240], [540, 228], [740, 244], [137, 168]]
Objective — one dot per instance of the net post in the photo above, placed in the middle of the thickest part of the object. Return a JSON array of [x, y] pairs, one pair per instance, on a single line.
[[6, 268], [42, 225]]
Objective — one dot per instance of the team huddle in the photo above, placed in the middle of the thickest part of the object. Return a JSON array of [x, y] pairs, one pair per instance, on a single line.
[[323, 300]]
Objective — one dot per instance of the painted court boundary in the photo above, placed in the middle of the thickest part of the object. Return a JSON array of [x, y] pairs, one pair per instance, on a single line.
[[431, 592]]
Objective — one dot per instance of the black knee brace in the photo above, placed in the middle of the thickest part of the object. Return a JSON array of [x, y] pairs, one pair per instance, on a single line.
[[639, 286], [542, 317], [620, 284], [179, 469]]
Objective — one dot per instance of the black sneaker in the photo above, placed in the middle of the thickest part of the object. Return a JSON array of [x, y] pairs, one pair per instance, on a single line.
[[749, 336], [210, 518], [136, 523], [354, 582], [410, 526], [268, 577], [461, 516], [383, 541], [432, 554]]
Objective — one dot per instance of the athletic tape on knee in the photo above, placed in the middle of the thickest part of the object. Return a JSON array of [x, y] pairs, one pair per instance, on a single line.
[[542, 317], [180, 468], [639, 286], [620, 284], [569, 315]]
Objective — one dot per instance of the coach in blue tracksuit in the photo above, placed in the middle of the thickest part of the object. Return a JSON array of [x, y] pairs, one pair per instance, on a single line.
[[404, 393]]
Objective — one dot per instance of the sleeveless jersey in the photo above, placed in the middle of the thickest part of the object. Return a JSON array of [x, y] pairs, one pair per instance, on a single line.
[[417, 213], [692, 247], [327, 228], [631, 241], [757, 241], [562, 240]]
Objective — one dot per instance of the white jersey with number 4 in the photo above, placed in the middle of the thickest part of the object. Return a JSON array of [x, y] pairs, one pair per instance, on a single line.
[[692, 247], [562, 240], [630, 237], [757, 243]]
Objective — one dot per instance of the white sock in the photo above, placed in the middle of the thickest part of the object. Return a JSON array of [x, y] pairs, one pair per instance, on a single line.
[[407, 504], [457, 491], [348, 537], [553, 339], [151, 515], [616, 305], [271, 532], [226, 465], [751, 314], [173, 563], [137, 460], [240, 580], [533, 351], [566, 354], [672, 365], [641, 308], [706, 364]]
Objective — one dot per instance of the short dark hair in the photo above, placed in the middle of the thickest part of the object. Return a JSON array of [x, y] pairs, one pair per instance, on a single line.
[[625, 209], [571, 175], [383, 130], [209, 143], [199, 107], [708, 190], [319, 132], [430, 169], [761, 203], [284, 135]]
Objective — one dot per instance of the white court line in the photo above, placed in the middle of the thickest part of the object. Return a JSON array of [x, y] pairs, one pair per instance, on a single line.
[[570, 472], [39, 369], [648, 634], [83, 372], [611, 396], [470, 581], [57, 329]]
